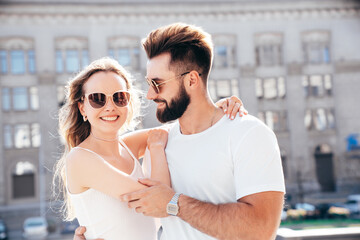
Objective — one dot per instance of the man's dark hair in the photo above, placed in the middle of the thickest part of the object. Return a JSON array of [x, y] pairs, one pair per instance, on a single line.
[[190, 47]]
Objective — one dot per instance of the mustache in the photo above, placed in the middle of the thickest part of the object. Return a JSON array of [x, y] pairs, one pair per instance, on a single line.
[[159, 101]]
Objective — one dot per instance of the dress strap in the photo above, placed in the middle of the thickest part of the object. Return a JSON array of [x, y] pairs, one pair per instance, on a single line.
[[91, 152], [127, 149]]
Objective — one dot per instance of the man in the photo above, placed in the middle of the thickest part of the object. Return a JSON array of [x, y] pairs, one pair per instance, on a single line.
[[227, 180]]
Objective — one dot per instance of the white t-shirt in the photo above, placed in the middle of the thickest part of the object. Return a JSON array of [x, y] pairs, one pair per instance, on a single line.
[[222, 164]]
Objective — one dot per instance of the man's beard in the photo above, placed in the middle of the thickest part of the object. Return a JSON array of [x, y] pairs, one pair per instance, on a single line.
[[176, 108]]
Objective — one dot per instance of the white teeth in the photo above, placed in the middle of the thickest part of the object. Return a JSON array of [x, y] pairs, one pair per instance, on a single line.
[[109, 118]]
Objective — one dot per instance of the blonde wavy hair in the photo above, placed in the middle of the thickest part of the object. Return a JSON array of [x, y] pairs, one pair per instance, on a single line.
[[74, 130]]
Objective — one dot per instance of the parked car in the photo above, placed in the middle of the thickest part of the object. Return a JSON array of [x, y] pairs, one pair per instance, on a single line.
[[310, 210], [333, 210], [69, 227], [353, 204], [338, 212], [35, 227], [3, 230]]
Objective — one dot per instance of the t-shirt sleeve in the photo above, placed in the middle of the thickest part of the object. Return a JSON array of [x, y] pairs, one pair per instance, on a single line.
[[257, 163]]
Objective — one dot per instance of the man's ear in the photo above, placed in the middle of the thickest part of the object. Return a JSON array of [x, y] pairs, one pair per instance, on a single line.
[[194, 79]]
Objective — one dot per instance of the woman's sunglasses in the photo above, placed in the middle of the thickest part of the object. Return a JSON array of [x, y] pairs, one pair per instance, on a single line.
[[98, 100]]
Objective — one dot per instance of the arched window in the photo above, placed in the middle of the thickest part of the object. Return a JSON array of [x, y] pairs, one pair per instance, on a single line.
[[269, 49], [224, 51], [126, 50], [316, 45], [17, 55], [71, 54], [23, 179]]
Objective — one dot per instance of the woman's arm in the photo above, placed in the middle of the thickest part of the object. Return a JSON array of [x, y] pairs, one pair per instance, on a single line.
[[137, 141], [156, 143], [87, 170], [155, 140]]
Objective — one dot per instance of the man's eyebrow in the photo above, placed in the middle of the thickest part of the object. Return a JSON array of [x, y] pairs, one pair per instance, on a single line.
[[157, 79]]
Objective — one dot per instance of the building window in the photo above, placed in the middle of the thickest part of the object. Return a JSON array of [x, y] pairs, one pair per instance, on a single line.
[[71, 54], [31, 61], [268, 49], [17, 62], [224, 51], [22, 135], [35, 135], [223, 88], [319, 119], [3, 62], [317, 85], [127, 57], [8, 143], [59, 62], [276, 120], [316, 46], [20, 98], [17, 56], [220, 59], [75, 60], [34, 98], [270, 88], [5, 97], [72, 61], [23, 179], [125, 50]]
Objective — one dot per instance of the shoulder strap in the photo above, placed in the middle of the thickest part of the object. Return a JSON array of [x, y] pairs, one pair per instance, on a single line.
[[127, 149], [91, 152]]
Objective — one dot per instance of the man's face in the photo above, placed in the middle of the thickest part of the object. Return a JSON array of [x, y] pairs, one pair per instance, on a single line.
[[172, 98]]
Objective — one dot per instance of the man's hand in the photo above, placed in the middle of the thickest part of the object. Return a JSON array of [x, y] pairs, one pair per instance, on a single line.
[[79, 234], [151, 201]]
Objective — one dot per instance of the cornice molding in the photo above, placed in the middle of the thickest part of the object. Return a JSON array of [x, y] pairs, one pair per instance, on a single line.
[[131, 14]]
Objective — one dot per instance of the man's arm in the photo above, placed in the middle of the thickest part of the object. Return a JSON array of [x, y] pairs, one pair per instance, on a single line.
[[256, 216]]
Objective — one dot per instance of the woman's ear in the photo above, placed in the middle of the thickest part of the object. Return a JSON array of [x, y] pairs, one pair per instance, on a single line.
[[81, 108]]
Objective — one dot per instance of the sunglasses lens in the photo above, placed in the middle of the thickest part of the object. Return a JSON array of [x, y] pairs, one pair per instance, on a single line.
[[97, 100], [152, 84], [121, 99]]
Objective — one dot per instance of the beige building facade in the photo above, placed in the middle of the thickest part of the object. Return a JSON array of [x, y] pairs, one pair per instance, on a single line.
[[295, 64]]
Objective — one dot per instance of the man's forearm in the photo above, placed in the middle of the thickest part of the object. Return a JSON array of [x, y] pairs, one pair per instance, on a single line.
[[228, 221]]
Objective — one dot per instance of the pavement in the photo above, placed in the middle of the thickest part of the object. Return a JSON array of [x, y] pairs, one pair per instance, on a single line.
[[17, 235]]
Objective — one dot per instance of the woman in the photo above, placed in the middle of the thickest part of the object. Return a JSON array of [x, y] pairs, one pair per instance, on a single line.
[[98, 165]]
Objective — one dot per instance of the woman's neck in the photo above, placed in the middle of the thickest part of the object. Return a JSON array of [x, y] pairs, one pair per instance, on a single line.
[[105, 145]]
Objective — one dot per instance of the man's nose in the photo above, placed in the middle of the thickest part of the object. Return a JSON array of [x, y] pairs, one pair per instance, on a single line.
[[151, 94]]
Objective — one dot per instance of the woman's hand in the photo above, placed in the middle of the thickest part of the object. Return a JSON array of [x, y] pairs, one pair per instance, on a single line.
[[231, 106], [157, 138]]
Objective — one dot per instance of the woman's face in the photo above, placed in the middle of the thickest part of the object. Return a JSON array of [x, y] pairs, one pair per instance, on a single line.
[[109, 118]]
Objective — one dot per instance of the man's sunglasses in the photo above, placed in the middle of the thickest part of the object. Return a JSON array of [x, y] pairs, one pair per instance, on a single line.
[[156, 85], [98, 100]]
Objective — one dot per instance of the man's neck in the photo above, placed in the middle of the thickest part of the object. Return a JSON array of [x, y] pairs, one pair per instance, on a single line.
[[199, 116]]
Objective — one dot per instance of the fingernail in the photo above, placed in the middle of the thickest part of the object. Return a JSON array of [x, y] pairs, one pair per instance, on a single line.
[[232, 117], [228, 115], [224, 110]]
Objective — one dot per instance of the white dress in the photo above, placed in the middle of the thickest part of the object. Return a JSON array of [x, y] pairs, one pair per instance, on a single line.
[[108, 218]]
